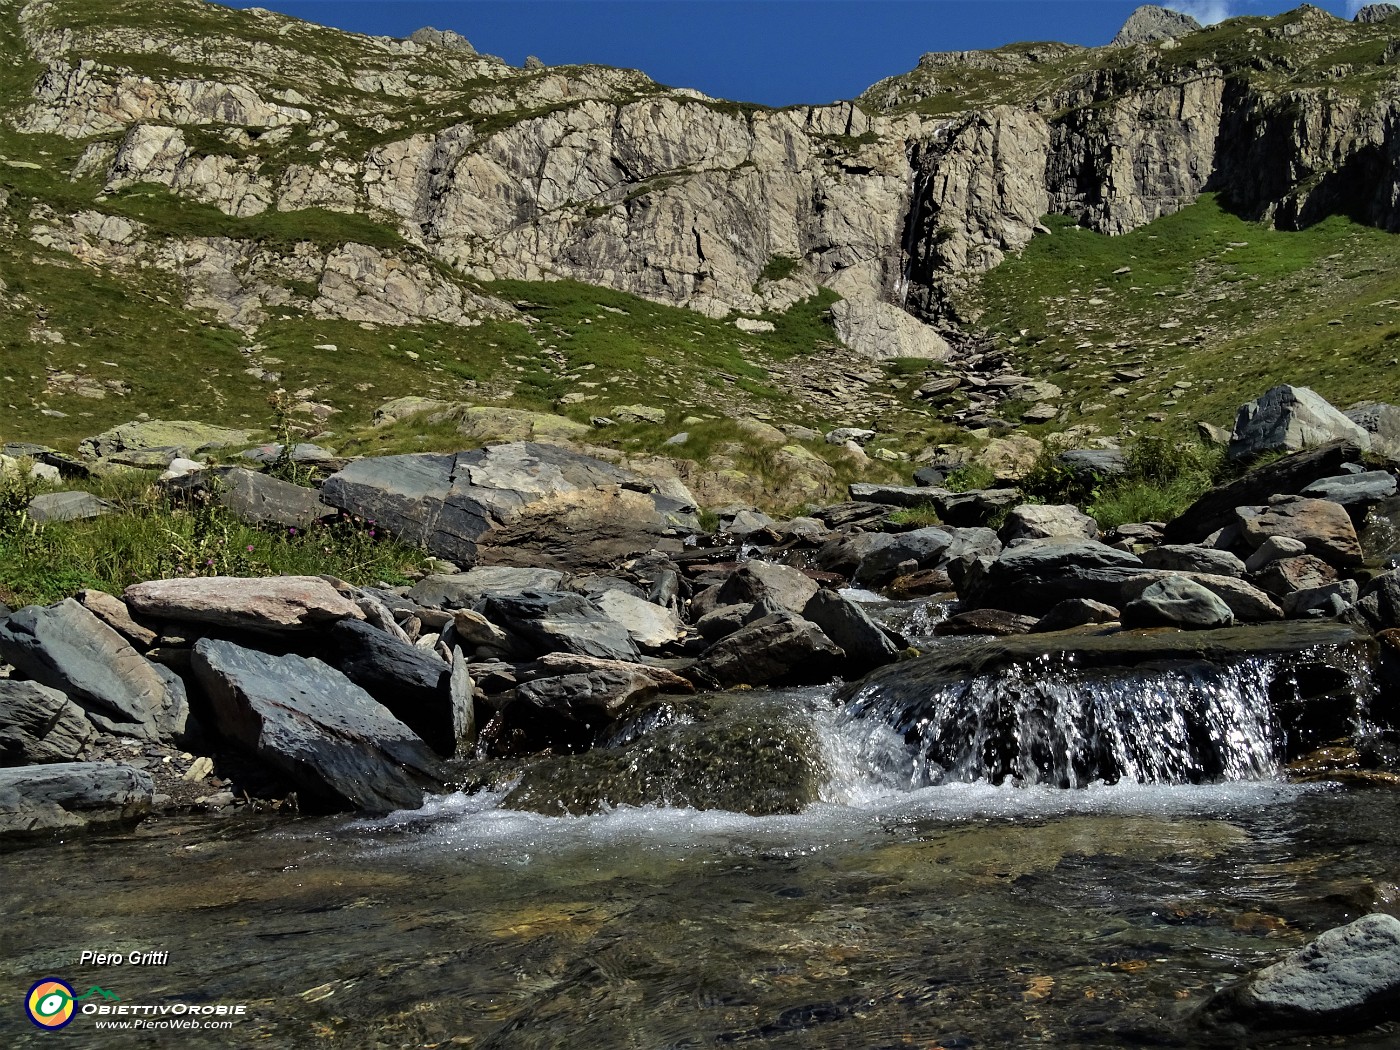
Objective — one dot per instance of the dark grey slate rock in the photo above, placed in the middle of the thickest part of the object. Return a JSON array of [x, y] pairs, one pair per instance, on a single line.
[[1248, 603], [599, 696], [1187, 557], [462, 589], [68, 795], [67, 506], [1287, 419], [1093, 462], [1356, 492], [1290, 475], [930, 477], [1273, 549], [891, 495], [335, 741], [779, 649], [1177, 602], [875, 558], [521, 503], [413, 683], [843, 621], [997, 623], [258, 499], [975, 508], [1345, 980], [1075, 612], [724, 620], [560, 621], [40, 725], [1032, 578], [66, 647]]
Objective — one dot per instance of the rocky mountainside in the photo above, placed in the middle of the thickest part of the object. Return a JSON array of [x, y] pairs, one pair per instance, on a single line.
[[360, 217]]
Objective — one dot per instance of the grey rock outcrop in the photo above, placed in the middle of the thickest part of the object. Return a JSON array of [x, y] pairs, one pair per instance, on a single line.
[[1032, 578], [67, 648], [1150, 23], [778, 649], [524, 504], [331, 738], [258, 499], [69, 795], [558, 621], [1373, 13]]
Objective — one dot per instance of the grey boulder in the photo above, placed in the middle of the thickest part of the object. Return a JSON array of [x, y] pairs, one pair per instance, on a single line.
[[40, 725], [1177, 602], [778, 649], [560, 621], [521, 503], [1345, 980], [1287, 419], [331, 738], [67, 648], [68, 795], [1035, 576], [414, 684]]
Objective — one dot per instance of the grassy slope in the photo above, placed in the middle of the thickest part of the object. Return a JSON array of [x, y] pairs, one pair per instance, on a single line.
[[1227, 306]]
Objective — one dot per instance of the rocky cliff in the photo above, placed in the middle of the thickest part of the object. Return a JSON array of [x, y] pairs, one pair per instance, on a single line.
[[217, 148]]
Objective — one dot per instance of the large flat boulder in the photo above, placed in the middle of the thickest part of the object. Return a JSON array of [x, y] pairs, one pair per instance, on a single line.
[[340, 746], [1287, 419], [39, 725], [184, 438], [68, 795], [526, 504], [1034, 577], [268, 603], [67, 648]]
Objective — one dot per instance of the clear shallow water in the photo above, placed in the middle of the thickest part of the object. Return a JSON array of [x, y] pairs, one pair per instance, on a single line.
[[963, 915]]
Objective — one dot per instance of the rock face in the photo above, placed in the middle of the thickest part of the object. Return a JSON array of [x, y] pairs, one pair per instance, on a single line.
[[1287, 419], [70, 795], [1150, 23], [340, 747], [39, 725], [1345, 980], [516, 504], [272, 603], [69, 649]]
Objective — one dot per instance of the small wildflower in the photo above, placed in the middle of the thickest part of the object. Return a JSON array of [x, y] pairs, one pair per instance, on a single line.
[[250, 546]]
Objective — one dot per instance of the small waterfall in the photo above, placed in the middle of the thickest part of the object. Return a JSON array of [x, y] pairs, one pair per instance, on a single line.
[[1047, 719]]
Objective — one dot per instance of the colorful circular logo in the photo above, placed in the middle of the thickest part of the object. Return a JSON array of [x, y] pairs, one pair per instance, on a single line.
[[50, 1003]]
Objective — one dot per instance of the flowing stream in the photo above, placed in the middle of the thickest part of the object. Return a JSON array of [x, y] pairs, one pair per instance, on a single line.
[[917, 902]]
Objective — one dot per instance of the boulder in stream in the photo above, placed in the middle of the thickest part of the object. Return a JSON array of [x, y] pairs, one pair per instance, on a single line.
[[1345, 980], [303, 717], [67, 795]]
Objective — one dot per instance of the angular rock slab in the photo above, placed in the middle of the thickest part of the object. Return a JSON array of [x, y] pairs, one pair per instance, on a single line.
[[335, 741], [67, 506], [780, 648], [67, 648], [36, 799], [40, 725], [1345, 980], [258, 499], [273, 603], [524, 503], [558, 621], [1034, 577], [415, 685]]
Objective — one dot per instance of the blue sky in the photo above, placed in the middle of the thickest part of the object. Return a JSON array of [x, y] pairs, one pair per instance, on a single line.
[[778, 52]]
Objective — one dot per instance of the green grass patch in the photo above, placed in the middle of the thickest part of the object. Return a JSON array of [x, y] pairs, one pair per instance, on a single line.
[[151, 538]]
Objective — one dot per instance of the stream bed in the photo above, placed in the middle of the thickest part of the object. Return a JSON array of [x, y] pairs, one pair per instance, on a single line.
[[886, 914]]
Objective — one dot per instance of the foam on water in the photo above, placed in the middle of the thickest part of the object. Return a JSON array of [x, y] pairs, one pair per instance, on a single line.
[[870, 790]]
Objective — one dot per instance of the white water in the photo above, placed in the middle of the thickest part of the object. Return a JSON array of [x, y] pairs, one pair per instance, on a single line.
[[870, 791]]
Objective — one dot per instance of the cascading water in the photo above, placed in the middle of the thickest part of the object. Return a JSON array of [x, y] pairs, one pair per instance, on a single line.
[[1169, 725]]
